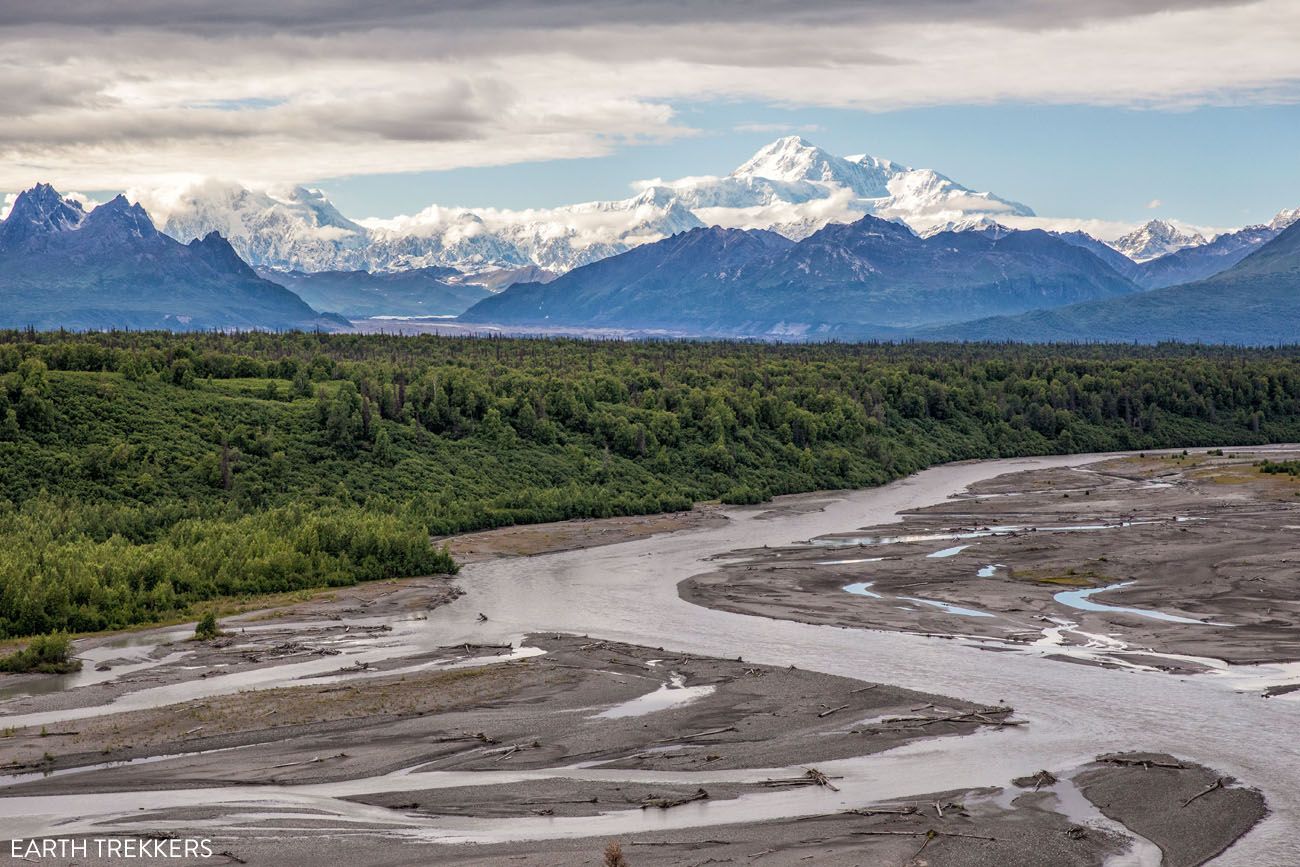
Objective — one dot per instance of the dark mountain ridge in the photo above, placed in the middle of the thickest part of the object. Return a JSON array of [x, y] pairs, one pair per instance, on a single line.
[[679, 279], [870, 276], [61, 267], [1255, 302]]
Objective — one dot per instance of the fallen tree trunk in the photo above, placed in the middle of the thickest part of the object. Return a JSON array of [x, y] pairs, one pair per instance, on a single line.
[[665, 803], [695, 735], [1217, 784]]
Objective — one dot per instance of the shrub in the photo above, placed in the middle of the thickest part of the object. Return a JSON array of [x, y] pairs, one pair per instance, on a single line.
[[744, 495], [206, 628], [614, 856], [47, 654]]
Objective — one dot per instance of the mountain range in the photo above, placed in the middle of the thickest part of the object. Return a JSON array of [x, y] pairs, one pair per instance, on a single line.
[[1256, 301], [974, 278], [790, 186], [842, 279], [877, 279], [61, 267]]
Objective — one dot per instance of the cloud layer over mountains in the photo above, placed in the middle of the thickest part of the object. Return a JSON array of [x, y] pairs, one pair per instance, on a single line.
[[104, 96]]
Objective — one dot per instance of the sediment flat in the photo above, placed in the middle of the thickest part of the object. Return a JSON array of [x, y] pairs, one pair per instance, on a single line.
[[1198, 549], [431, 720]]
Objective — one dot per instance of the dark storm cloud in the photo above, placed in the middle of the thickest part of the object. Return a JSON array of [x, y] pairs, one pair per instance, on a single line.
[[25, 90], [455, 112], [334, 16]]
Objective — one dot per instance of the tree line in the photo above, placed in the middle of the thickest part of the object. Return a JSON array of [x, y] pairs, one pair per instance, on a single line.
[[142, 474]]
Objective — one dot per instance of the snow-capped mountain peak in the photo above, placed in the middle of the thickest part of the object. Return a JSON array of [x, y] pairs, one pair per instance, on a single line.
[[793, 159], [37, 212], [1155, 239], [1285, 219], [986, 225], [790, 185]]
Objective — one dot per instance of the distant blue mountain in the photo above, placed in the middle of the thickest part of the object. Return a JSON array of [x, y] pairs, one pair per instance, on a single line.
[[1204, 260], [1256, 301], [61, 267], [359, 294], [1181, 266], [1105, 252], [681, 279], [869, 277]]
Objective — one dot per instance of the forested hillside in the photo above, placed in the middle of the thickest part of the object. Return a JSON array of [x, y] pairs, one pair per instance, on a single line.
[[141, 473]]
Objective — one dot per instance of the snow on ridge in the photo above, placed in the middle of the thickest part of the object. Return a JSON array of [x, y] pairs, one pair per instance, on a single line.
[[1156, 238], [1284, 219], [790, 186]]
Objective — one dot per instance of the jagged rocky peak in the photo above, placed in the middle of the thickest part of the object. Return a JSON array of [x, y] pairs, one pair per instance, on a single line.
[[216, 250], [1284, 219], [121, 218], [39, 211], [1156, 238]]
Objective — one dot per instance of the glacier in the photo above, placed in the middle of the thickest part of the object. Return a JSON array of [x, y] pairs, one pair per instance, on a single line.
[[789, 186]]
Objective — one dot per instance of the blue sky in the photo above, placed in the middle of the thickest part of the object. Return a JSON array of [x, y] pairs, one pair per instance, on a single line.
[[1086, 110], [1216, 166]]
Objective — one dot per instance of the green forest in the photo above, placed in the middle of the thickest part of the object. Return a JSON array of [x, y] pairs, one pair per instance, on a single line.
[[142, 474]]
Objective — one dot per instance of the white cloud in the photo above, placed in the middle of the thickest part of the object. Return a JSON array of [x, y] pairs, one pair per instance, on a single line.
[[778, 128], [839, 207], [1153, 204], [271, 93], [87, 203], [1107, 230]]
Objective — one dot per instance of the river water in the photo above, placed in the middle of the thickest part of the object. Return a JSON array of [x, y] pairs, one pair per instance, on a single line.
[[628, 592]]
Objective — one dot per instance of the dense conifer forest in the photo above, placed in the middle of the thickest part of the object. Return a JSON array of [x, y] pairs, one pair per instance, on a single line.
[[144, 473]]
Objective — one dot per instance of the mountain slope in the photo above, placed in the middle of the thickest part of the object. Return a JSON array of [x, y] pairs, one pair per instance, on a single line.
[[864, 278], [1204, 260], [1105, 252], [661, 285], [359, 294], [63, 268], [1257, 301], [875, 272], [294, 229]]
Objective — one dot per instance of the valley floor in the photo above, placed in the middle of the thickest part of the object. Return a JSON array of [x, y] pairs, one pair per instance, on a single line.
[[471, 720]]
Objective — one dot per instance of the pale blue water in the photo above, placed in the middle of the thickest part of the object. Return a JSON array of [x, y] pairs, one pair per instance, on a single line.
[[860, 589], [947, 606], [948, 552], [1079, 599], [863, 589]]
